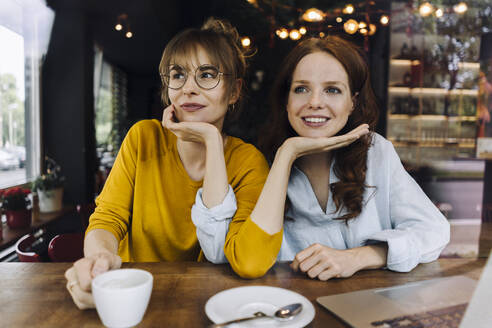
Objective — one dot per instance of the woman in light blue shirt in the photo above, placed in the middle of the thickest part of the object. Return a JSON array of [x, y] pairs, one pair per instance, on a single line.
[[337, 192]]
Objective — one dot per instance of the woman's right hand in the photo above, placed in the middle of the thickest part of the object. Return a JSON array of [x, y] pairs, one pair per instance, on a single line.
[[199, 132], [80, 275], [301, 146]]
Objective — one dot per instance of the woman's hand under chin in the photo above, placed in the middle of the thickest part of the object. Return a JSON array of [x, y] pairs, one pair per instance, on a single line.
[[301, 146], [199, 132]]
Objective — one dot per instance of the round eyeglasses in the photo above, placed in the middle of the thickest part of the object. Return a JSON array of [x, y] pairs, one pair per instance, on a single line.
[[206, 76]]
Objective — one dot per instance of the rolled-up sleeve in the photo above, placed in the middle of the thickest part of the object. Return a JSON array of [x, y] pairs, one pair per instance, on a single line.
[[212, 224], [419, 230]]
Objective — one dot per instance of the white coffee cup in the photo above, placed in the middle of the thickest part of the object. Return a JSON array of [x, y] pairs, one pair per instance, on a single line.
[[121, 296]]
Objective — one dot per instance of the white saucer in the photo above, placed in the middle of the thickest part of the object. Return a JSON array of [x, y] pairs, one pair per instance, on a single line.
[[245, 301]]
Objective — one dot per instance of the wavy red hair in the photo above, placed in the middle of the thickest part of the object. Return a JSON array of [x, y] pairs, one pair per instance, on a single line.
[[350, 162]]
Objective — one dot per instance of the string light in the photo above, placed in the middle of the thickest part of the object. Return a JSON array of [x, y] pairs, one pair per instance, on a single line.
[[295, 34], [372, 29], [245, 42], [460, 8], [283, 33], [123, 23], [426, 9], [349, 9], [313, 15], [384, 20], [439, 13], [351, 26], [321, 34]]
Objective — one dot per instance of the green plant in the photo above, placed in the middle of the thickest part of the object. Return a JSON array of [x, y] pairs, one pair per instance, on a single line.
[[14, 199], [52, 179]]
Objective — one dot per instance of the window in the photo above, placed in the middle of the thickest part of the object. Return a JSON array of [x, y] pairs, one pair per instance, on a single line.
[[25, 27]]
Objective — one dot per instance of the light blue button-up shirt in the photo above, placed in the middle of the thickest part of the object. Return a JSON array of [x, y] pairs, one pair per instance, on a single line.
[[395, 211]]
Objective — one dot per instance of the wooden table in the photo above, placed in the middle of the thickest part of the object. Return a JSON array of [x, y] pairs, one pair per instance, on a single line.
[[34, 294], [39, 220]]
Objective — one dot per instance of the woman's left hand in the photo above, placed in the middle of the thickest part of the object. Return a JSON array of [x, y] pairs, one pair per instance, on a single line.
[[188, 131], [324, 263]]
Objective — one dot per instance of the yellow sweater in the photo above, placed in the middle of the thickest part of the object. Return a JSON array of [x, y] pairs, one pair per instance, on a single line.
[[147, 199]]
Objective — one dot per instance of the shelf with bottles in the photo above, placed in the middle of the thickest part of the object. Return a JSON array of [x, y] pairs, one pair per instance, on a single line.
[[415, 62], [434, 133], [432, 88], [432, 91], [432, 103], [434, 144], [432, 117], [421, 62]]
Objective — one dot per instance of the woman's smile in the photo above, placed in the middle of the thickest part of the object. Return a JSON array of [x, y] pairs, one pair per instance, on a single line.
[[315, 121]]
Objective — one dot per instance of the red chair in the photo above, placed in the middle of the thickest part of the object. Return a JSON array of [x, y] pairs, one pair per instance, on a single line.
[[67, 247], [22, 248]]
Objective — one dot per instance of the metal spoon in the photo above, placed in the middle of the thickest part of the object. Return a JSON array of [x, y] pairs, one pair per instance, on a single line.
[[284, 313]]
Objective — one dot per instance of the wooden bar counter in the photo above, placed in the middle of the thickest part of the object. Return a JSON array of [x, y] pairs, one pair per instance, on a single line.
[[34, 294]]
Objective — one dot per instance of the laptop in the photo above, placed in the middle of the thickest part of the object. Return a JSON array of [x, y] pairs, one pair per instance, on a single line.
[[441, 302]]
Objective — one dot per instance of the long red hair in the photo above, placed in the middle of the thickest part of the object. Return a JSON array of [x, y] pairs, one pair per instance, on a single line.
[[350, 162]]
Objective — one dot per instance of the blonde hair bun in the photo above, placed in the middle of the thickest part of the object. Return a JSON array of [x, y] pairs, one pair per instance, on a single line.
[[221, 26]]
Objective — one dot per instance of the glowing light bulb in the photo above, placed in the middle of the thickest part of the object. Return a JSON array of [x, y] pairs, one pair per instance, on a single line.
[[349, 9], [363, 31], [384, 20], [283, 34], [351, 26], [118, 27], [321, 34], [313, 15], [295, 34], [426, 9], [245, 42], [439, 13], [362, 25], [372, 29], [460, 8], [302, 30], [129, 34], [339, 19]]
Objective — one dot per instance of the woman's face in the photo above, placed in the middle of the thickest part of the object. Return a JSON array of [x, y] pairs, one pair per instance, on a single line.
[[195, 104], [320, 100]]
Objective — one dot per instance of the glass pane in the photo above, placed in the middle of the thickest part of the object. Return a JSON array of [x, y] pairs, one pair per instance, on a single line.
[[12, 109]]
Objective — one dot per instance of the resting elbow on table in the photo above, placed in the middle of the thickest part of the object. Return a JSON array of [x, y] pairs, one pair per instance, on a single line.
[[251, 268], [250, 250]]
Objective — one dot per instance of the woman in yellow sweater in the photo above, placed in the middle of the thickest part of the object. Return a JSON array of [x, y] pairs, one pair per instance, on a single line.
[[163, 169]]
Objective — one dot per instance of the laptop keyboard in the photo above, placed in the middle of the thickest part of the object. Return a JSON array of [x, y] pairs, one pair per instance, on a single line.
[[449, 317]]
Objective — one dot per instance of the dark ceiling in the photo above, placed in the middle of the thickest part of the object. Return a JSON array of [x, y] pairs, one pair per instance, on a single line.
[[152, 22]]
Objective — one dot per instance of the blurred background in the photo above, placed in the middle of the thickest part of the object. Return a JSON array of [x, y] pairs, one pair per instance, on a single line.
[[76, 74]]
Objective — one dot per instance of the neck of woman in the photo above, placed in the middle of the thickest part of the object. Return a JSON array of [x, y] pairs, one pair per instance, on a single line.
[[315, 164], [191, 153]]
